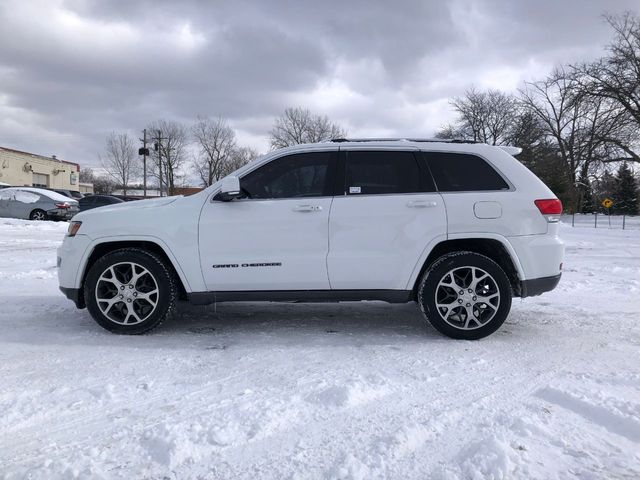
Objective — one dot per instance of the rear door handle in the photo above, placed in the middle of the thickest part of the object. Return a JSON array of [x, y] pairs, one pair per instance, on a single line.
[[422, 204], [307, 208]]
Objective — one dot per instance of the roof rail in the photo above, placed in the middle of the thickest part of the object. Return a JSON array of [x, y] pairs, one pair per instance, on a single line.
[[430, 140]]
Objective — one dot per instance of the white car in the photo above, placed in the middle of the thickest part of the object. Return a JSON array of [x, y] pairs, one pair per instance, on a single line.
[[457, 227]]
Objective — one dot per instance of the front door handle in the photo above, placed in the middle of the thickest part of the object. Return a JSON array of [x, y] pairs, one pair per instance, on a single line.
[[307, 208], [422, 204]]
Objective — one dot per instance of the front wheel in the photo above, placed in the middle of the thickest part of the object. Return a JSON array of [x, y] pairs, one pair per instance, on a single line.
[[465, 295], [130, 291]]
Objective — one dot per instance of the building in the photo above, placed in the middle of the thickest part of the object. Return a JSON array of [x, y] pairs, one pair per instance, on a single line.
[[85, 187], [22, 169]]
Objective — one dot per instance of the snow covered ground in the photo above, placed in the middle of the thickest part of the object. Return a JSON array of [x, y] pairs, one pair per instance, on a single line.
[[323, 391]]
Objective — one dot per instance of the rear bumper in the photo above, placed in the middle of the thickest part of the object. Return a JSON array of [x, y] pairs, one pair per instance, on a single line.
[[62, 214], [540, 256], [537, 286], [75, 295]]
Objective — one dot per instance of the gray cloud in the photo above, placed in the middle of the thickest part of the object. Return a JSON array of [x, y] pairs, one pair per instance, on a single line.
[[71, 71]]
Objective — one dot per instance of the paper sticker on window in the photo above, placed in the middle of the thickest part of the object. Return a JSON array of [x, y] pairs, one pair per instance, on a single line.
[[354, 189]]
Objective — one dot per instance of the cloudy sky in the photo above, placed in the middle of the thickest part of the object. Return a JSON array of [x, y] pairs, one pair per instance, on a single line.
[[73, 70]]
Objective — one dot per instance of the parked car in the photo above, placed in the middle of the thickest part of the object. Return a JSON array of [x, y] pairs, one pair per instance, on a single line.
[[68, 193], [95, 201], [457, 227], [127, 198], [36, 204]]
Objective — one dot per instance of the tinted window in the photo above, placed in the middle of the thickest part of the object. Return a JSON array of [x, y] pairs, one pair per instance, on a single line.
[[459, 172], [299, 175], [369, 172]]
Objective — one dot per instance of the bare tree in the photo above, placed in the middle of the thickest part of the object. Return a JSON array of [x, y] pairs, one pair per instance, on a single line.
[[239, 157], [102, 184], [216, 143], [120, 159], [616, 78], [299, 125], [577, 123], [483, 116], [86, 175], [169, 153]]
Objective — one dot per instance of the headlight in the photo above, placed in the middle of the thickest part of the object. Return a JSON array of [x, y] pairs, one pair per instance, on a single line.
[[73, 228]]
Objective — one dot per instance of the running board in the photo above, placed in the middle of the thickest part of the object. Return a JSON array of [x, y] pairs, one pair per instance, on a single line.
[[302, 296]]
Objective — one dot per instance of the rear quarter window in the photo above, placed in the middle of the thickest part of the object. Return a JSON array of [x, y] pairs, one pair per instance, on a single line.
[[461, 172]]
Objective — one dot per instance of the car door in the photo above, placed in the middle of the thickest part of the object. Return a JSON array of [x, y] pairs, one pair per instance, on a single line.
[[23, 203], [86, 203], [276, 238], [387, 215]]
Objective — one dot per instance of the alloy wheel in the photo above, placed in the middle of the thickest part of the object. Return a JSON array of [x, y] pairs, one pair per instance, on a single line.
[[126, 293], [467, 298]]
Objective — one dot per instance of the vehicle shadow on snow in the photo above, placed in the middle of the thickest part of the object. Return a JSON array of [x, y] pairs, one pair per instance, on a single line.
[[362, 323], [370, 322]]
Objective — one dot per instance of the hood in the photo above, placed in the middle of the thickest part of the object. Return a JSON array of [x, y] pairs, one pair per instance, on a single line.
[[128, 206]]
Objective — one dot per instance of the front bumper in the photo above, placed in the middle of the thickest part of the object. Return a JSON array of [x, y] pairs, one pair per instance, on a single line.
[[72, 256], [537, 286]]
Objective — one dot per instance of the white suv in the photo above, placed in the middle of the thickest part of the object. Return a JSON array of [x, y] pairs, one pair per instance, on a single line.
[[458, 227]]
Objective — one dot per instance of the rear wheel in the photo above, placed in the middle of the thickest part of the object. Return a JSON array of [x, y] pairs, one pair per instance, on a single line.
[[38, 214], [130, 291], [465, 295]]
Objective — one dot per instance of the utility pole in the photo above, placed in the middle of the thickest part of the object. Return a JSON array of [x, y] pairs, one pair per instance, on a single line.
[[159, 144], [144, 151], [144, 162]]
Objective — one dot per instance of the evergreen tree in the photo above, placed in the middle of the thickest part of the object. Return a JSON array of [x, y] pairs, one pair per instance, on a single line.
[[625, 191], [585, 194]]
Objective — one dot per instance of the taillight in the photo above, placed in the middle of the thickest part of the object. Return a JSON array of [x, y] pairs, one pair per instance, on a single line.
[[552, 208], [63, 205]]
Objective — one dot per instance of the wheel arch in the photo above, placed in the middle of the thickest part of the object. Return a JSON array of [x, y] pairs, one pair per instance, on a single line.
[[104, 247], [38, 209], [497, 249]]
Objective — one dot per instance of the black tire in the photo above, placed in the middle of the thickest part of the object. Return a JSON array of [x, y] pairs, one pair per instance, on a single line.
[[38, 214], [463, 262], [161, 275]]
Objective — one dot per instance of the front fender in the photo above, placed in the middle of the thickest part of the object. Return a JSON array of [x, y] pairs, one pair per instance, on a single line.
[[132, 239]]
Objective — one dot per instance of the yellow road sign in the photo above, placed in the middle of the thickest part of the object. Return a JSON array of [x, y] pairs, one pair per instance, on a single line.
[[607, 203]]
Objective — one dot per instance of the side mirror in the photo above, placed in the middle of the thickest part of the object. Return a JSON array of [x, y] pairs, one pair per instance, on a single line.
[[230, 189]]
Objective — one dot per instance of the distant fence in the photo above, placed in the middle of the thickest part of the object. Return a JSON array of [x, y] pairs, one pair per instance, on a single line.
[[600, 220]]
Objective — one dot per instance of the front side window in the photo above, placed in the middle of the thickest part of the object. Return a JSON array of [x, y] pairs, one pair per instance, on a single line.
[[461, 172], [294, 176], [384, 172]]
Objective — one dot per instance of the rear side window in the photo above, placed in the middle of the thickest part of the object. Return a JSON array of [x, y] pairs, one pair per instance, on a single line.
[[384, 172], [460, 172]]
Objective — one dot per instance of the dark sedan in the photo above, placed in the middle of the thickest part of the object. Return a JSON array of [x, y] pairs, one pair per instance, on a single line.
[[95, 201]]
